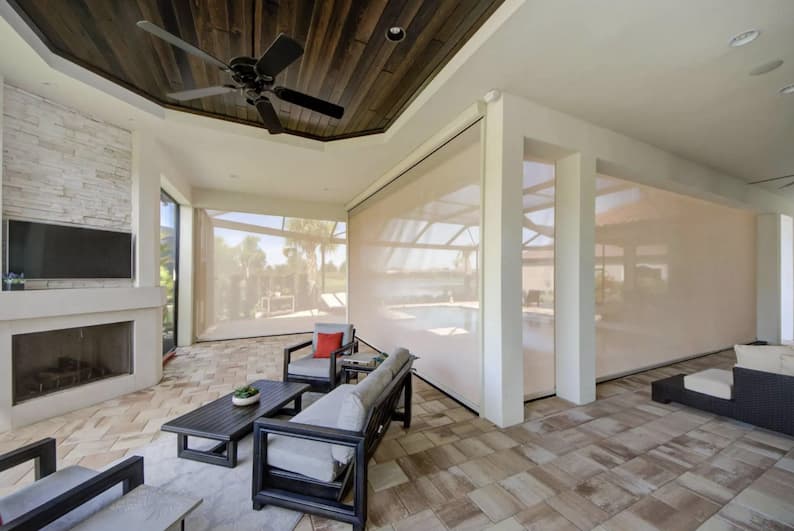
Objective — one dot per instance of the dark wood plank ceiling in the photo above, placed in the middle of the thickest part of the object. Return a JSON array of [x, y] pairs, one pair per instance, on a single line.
[[347, 60]]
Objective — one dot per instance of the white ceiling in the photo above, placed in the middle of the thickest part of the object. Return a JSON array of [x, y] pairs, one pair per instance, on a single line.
[[660, 71]]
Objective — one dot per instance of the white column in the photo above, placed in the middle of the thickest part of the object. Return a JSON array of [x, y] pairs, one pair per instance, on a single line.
[[146, 230], [146, 210], [775, 278], [574, 285], [2, 108], [786, 279], [185, 276], [503, 359]]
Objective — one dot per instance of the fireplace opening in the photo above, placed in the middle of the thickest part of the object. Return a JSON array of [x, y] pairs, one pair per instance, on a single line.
[[51, 361]]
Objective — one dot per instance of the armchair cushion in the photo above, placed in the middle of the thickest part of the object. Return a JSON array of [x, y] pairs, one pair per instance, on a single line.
[[332, 328], [312, 367], [47, 488], [310, 458], [327, 343]]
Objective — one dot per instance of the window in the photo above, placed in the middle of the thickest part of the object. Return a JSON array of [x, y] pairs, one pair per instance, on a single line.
[[414, 277], [169, 262], [663, 290], [260, 275]]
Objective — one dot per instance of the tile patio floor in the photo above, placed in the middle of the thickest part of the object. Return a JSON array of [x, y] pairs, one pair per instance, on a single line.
[[620, 463]]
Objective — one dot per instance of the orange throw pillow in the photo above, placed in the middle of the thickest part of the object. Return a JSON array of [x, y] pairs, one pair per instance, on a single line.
[[327, 343]]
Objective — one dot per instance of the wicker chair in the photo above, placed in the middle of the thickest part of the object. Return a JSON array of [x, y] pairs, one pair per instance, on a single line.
[[322, 374], [764, 399]]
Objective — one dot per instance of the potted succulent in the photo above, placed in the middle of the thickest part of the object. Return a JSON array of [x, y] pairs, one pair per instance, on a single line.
[[14, 282], [245, 396]]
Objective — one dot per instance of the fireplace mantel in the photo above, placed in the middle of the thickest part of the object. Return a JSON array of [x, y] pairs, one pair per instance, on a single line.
[[37, 304], [23, 312]]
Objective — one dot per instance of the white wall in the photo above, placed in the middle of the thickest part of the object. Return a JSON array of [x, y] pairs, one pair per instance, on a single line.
[[607, 152], [62, 166]]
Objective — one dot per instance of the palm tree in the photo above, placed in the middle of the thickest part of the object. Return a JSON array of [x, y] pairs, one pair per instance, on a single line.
[[320, 236]]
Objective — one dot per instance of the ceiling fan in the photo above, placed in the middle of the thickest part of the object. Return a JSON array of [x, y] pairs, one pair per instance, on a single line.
[[253, 78]]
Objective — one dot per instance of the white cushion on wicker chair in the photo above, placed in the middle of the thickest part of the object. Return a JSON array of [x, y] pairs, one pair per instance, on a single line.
[[765, 358], [310, 458], [333, 328], [713, 382], [312, 367]]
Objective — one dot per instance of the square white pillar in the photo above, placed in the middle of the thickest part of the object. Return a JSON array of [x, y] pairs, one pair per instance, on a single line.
[[146, 210], [185, 278], [574, 284], [775, 278], [503, 359]]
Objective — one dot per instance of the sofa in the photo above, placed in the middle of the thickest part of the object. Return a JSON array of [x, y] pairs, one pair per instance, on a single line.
[[59, 499], [759, 389], [310, 462]]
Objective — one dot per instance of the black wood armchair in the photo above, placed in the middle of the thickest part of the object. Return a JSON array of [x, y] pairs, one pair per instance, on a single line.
[[57, 493], [322, 374]]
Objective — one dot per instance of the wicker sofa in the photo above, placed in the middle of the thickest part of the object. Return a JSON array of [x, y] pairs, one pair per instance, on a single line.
[[310, 462], [764, 398]]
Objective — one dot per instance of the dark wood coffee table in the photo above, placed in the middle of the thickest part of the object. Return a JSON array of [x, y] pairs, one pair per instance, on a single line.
[[222, 421]]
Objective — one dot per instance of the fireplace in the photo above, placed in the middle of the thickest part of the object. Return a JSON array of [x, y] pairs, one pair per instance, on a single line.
[[51, 361]]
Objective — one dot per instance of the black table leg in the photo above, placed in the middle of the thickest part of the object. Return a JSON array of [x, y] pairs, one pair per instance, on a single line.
[[222, 454]]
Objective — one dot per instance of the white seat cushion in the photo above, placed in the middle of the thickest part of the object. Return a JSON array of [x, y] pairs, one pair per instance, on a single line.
[[310, 458], [312, 367], [765, 358], [40, 492], [712, 382]]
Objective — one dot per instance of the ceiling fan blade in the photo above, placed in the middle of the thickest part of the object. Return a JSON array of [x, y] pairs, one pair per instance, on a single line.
[[282, 52], [194, 94], [269, 116], [173, 40], [310, 102], [772, 179]]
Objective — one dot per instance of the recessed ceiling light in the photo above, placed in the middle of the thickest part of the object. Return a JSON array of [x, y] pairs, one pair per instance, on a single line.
[[395, 34], [788, 89], [745, 37], [766, 67]]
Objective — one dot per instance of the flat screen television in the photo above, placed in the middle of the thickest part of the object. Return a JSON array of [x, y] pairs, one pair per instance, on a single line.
[[46, 251]]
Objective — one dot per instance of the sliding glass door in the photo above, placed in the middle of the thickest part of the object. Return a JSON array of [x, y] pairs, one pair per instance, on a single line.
[[169, 261]]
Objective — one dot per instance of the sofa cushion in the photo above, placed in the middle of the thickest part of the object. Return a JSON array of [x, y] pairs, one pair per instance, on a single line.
[[395, 361], [40, 492], [312, 367], [787, 364], [355, 408], [310, 458], [332, 328], [713, 382], [761, 357]]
